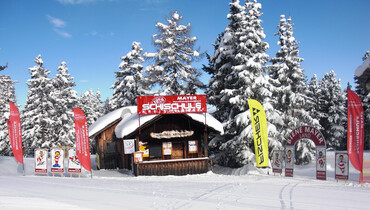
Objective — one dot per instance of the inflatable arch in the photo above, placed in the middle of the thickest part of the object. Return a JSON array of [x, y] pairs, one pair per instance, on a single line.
[[306, 132]]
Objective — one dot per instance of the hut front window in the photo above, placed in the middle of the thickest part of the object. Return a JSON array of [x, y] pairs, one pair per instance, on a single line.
[[155, 152]]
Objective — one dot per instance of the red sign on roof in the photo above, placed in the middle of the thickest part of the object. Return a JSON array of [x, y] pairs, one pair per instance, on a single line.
[[175, 104]]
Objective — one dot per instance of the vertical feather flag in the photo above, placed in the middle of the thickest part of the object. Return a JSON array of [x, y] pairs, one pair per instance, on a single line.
[[82, 138], [355, 130], [15, 132], [259, 124]]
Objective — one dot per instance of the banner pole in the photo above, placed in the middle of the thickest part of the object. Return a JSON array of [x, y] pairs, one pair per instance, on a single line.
[[24, 173]]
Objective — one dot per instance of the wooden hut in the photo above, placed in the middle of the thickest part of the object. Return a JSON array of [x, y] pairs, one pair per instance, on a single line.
[[171, 144]]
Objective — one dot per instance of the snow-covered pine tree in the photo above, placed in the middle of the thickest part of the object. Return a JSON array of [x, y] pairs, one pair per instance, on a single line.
[[245, 79], [91, 105], [3, 67], [130, 82], [38, 110], [7, 93], [291, 94], [367, 54], [65, 99], [221, 83], [314, 91], [107, 106], [332, 106], [172, 69]]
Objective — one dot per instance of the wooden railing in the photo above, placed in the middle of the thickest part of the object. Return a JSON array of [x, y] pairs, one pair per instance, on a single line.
[[173, 167]]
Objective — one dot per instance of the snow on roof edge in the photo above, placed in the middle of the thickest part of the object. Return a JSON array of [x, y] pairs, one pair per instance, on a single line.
[[107, 119], [130, 123]]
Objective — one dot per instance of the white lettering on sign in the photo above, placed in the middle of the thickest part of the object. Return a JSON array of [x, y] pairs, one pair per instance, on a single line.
[[173, 106]]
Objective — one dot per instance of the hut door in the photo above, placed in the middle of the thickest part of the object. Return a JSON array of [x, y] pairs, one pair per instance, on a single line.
[[177, 151]]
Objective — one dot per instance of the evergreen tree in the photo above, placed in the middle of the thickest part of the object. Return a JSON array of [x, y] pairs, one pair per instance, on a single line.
[[91, 105], [129, 80], [65, 99], [332, 106], [7, 94], [39, 107], [291, 94], [245, 80], [172, 69], [314, 91], [367, 55]]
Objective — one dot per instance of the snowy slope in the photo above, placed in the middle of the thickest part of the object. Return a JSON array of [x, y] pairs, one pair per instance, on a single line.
[[244, 188]]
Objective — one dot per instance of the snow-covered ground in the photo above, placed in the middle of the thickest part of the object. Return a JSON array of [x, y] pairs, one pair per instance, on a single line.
[[222, 188]]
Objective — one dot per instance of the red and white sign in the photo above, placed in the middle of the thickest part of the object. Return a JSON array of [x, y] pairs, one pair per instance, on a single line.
[[74, 165], [289, 161], [341, 165], [41, 159], [321, 162], [175, 104], [57, 160], [15, 132], [355, 130], [82, 139], [277, 161]]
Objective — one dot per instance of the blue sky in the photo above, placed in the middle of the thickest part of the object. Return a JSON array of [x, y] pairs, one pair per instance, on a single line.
[[92, 35]]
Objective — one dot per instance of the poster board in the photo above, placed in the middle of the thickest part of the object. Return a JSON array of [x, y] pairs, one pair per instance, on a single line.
[[138, 157], [41, 160], [57, 160], [167, 148], [74, 165], [193, 146], [129, 146], [341, 165], [277, 161], [289, 161], [321, 162]]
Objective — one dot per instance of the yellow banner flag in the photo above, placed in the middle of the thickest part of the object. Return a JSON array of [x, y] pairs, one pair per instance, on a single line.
[[259, 124]]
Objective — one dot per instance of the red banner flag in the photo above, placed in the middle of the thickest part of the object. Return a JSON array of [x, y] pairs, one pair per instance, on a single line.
[[355, 130], [15, 132], [82, 139]]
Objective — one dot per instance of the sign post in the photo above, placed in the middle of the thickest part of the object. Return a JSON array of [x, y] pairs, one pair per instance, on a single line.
[[41, 161], [341, 166], [57, 161], [277, 161], [74, 165]]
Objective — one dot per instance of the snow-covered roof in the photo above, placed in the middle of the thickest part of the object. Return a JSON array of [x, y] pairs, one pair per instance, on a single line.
[[108, 119], [361, 69], [130, 121]]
